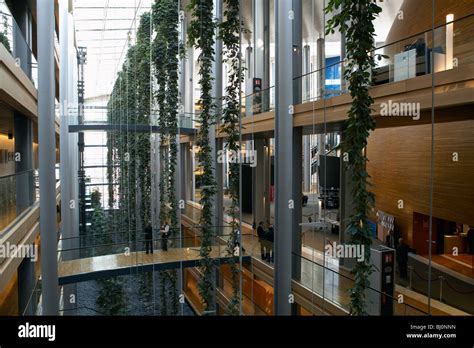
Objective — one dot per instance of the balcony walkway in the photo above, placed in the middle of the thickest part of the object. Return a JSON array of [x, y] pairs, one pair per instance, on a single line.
[[92, 268]]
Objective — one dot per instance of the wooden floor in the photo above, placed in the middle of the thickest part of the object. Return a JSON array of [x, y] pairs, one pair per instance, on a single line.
[[331, 283], [121, 264], [463, 263], [337, 281]]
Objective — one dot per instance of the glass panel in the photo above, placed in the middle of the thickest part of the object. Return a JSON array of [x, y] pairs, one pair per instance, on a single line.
[[13, 205], [13, 39]]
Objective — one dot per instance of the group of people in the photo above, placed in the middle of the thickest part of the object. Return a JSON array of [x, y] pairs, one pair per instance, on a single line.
[[164, 231], [266, 236]]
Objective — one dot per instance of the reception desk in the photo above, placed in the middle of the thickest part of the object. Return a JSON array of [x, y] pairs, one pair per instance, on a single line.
[[454, 241]]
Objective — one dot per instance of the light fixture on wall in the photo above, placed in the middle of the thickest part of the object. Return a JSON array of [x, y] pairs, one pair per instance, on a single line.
[[449, 41]]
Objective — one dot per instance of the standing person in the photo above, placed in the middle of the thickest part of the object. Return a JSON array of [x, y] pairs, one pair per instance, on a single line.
[[402, 258], [390, 240], [261, 239], [165, 230], [149, 239], [270, 237]]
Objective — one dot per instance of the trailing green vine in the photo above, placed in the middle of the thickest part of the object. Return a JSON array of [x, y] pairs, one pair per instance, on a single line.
[[229, 32], [172, 62], [201, 36], [110, 299], [166, 53], [354, 19], [4, 34]]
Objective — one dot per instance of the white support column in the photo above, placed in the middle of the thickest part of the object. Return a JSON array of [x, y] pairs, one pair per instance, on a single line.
[[47, 157], [283, 156], [217, 143]]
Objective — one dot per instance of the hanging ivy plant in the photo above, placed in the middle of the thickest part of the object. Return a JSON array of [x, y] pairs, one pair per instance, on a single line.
[[166, 52], [110, 299], [354, 19], [161, 75], [230, 30], [142, 140], [4, 34], [172, 64], [201, 36]]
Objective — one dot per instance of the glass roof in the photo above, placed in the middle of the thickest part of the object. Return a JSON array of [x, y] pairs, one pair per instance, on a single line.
[[105, 28]]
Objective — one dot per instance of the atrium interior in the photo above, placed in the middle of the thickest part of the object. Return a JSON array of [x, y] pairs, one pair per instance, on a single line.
[[236, 157]]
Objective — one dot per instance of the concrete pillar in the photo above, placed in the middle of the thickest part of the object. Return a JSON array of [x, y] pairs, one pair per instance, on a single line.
[[266, 55], [346, 209], [343, 56], [261, 49], [23, 135], [182, 70], [249, 74], [297, 167], [22, 35], [66, 158], [321, 63], [307, 163], [260, 190], [297, 51], [284, 155], [258, 7], [179, 188], [155, 183], [187, 171], [47, 157], [26, 285], [73, 137], [183, 178], [189, 95], [64, 117], [217, 143], [306, 80], [267, 165]]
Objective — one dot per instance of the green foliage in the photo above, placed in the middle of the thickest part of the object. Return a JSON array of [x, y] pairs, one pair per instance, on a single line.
[[128, 151], [4, 35], [166, 50], [355, 19], [229, 32], [110, 299], [4, 41], [201, 36]]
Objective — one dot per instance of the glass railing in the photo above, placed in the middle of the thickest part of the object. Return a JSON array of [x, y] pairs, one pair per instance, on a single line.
[[94, 244], [334, 287], [186, 120], [33, 307], [408, 58], [257, 103], [125, 119], [18, 192], [454, 291], [14, 41]]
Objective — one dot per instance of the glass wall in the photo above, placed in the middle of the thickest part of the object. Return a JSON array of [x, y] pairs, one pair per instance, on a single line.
[[148, 235], [414, 172]]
